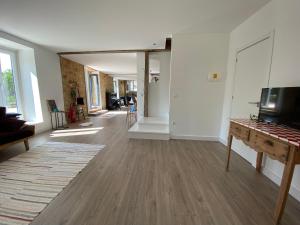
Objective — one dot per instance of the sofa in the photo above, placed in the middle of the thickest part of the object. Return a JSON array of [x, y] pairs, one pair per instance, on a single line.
[[14, 130]]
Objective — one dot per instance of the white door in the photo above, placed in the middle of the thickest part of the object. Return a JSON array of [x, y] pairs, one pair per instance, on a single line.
[[251, 75]]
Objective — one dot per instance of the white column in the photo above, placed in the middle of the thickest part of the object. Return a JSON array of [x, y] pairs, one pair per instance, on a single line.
[[140, 83]]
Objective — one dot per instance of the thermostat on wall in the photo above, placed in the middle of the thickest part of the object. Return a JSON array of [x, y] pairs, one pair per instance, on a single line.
[[214, 76]]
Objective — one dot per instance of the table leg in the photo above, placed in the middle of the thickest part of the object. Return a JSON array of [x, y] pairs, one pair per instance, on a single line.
[[259, 159], [51, 120], [56, 121], [26, 144], [229, 143], [285, 185], [62, 119]]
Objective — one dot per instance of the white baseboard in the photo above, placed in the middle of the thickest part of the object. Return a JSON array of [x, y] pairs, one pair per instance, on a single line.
[[295, 192], [149, 136], [223, 141], [195, 137]]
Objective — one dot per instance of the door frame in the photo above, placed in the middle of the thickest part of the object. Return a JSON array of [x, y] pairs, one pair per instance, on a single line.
[[271, 36], [87, 87], [96, 75]]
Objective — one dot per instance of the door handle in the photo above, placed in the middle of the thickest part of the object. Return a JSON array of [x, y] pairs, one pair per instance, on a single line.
[[270, 143], [254, 103]]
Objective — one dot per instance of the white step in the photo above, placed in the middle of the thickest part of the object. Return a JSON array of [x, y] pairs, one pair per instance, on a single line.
[[150, 128], [154, 121]]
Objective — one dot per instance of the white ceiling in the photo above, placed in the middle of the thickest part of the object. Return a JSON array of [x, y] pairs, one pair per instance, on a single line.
[[77, 25], [115, 64], [118, 64], [12, 45]]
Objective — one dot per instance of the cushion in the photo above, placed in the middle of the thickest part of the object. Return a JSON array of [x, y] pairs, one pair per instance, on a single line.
[[11, 125], [12, 115], [2, 113], [24, 132]]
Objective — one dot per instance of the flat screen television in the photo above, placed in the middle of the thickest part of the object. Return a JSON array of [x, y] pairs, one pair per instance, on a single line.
[[280, 106]]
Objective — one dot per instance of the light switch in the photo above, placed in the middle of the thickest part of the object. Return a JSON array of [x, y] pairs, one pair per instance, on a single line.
[[214, 76]]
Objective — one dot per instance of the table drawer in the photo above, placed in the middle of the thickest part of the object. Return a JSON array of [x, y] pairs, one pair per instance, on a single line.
[[239, 131], [273, 147]]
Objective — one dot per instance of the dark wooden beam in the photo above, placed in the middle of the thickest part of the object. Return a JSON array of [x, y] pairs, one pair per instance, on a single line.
[[167, 48], [146, 84], [112, 51], [168, 45]]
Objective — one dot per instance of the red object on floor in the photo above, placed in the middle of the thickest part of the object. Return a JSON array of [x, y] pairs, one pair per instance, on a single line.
[[72, 114]]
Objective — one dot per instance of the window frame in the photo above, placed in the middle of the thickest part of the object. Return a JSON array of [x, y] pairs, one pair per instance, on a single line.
[[90, 77], [15, 71], [131, 84]]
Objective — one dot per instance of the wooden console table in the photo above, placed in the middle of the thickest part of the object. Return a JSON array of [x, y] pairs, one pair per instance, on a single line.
[[278, 142]]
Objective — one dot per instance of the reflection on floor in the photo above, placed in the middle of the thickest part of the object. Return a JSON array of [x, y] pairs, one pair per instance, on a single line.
[[75, 132]]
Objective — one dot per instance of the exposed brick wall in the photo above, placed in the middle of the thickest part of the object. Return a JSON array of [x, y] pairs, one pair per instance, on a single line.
[[106, 84], [122, 87], [72, 71], [91, 70]]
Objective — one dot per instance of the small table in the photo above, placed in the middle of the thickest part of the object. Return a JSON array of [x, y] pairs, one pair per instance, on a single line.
[[278, 142], [59, 124]]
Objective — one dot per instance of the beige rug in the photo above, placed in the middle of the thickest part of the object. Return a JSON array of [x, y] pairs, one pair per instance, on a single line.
[[30, 181]]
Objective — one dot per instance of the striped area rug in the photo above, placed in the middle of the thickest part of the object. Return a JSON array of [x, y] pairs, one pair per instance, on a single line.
[[30, 181]]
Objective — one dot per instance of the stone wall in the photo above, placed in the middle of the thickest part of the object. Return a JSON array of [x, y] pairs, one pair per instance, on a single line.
[[106, 85], [72, 72], [122, 87], [91, 70]]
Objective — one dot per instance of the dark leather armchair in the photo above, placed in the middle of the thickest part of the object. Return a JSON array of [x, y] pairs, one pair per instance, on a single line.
[[13, 130]]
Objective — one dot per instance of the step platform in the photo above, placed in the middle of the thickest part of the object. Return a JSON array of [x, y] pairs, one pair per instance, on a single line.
[[154, 128]]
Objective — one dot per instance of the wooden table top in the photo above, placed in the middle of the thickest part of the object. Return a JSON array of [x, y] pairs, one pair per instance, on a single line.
[[281, 132]]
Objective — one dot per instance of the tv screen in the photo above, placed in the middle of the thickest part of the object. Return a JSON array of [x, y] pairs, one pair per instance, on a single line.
[[281, 106]]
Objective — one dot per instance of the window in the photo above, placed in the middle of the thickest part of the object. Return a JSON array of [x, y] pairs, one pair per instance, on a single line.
[[8, 94], [132, 85], [94, 91], [115, 83], [116, 87]]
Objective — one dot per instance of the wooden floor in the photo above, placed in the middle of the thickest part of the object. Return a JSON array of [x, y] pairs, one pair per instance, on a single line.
[[147, 182]]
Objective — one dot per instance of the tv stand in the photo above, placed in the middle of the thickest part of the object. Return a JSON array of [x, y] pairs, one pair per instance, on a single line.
[[278, 142]]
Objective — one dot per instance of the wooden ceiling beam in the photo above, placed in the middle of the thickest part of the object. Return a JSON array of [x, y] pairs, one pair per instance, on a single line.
[[168, 45], [167, 48]]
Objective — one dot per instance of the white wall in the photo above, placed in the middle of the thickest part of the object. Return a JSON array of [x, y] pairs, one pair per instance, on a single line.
[[50, 82], [195, 102], [283, 17], [48, 76], [159, 92], [26, 68]]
